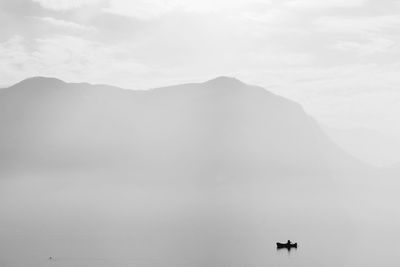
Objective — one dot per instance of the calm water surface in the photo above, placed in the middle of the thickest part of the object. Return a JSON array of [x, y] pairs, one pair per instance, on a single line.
[[93, 223]]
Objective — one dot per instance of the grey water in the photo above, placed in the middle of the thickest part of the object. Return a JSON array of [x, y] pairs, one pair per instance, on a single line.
[[86, 221]]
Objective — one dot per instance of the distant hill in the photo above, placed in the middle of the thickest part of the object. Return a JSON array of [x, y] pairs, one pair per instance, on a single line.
[[390, 171], [368, 145], [219, 127]]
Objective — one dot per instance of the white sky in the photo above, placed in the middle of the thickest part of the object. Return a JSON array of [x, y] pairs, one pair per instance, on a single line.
[[339, 58]]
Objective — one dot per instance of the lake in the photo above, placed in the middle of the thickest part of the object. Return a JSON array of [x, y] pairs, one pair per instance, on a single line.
[[81, 220]]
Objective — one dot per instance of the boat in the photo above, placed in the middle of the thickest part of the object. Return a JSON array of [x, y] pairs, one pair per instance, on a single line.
[[286, 245]]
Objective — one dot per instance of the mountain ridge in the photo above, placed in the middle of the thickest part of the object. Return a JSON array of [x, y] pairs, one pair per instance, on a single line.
[[221, 124]]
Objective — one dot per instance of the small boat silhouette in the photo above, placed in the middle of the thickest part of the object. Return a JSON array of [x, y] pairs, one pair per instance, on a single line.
[[287, 245]]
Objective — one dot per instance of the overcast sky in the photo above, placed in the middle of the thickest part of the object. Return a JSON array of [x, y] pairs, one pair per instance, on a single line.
[[338, 58]]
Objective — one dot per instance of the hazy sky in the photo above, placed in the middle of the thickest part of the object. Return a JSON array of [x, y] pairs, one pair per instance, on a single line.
[[338, 58]]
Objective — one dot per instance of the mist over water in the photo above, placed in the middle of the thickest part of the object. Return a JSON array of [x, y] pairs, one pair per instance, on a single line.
[[202, 172], [208, 174], [82, 220]]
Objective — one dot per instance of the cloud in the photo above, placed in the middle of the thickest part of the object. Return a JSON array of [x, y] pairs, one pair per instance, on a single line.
[[150, 9], [141, 9], [358, 24], [373, 46], [342, 96], [270, 16], [65, 24], [62, 5], [276, 59], [324, 3], [13, 57], [67, 57], [221, 5]]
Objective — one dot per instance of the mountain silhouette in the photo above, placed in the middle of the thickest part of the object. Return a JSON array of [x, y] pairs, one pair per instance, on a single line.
[[222, 126]]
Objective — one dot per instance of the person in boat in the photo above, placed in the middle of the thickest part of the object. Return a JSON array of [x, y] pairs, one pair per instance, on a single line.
[[289, 242]]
